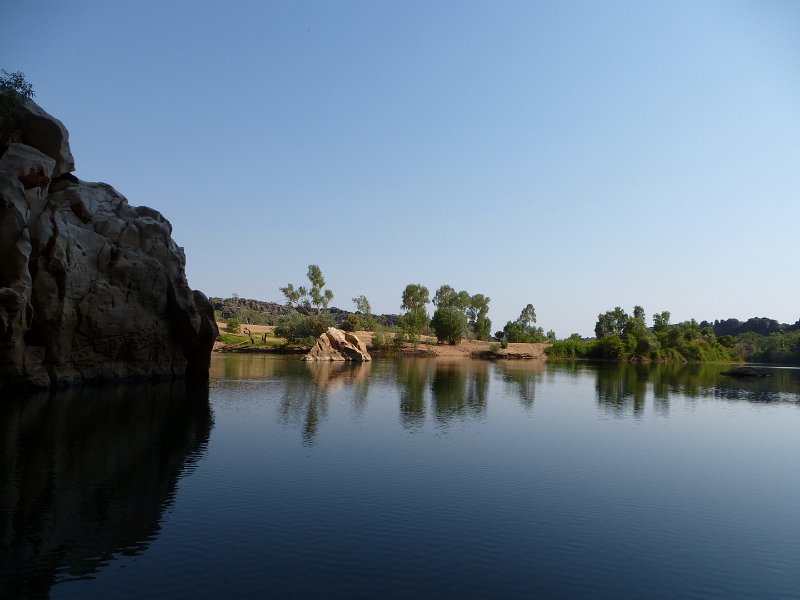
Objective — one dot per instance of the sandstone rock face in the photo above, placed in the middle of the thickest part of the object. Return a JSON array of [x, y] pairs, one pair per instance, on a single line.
[[90, 287], [336, 344]]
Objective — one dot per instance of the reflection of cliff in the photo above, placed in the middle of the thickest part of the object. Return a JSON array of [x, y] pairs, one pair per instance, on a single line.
[[85, 474]]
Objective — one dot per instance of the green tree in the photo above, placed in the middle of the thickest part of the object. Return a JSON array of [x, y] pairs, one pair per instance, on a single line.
[[527, 317], [315, 296], [661, 321], [415, 320], [14, 91], [612, 322], [523, 330], [449, 323], [320, 298], [294, 297], [365, 320], [477, 315]]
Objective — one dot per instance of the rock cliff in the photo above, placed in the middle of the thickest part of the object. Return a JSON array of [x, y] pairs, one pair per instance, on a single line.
[[90, 286]]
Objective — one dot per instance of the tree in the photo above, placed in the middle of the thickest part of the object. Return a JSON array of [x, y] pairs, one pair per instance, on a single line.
[[527, 317], [314, 296], [661, 321], [445, 296], [415, 297], [611, 322], [449, 323], [319, 298], [477, 311], [523, 330], [14, 91], [294, 297], [415, 320], [365, 320], [362, 305]]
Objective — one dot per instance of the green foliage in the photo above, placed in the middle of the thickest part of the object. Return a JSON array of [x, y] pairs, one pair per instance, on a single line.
[[523, 330], [365, 320], [303, 329], [415, 321], [570, 348], [449, 323], [504, 343], [415, 297], [14, 91], [383, 341], [233, 325], [315, 296]]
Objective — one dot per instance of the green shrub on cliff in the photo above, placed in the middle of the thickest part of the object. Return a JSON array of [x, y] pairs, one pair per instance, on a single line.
[[14, 90]]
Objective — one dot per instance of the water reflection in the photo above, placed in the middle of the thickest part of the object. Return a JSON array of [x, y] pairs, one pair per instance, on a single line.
[[86, 474], [412, 381], [459, 390], [446, 390], [622, 389], [521, 379]]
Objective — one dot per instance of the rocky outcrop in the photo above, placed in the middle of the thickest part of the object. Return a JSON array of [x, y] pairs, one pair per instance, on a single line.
[[336, 344], [90, 286]]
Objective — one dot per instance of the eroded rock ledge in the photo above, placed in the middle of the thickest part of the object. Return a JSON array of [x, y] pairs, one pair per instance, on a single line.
[[90, 287]]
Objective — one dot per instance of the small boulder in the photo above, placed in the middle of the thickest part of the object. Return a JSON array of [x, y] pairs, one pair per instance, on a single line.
[[336, 344]]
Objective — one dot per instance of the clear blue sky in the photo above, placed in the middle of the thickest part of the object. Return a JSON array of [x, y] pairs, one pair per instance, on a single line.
[[574, 155]]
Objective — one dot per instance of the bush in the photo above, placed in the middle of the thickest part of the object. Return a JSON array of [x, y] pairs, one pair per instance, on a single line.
[[303, 329], [14, 90], [449, 324], [233, 325], [504, 343]]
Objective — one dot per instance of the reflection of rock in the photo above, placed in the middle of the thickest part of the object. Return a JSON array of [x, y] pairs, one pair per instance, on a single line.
[[90, 287], [336, 344], [85, 474], [747, 372], [330, 375]]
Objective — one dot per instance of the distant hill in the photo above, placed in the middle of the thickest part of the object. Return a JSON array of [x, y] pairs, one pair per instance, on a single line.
[[259, 312]]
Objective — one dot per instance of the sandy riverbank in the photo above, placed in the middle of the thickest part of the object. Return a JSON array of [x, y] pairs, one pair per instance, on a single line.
[[428, 346]]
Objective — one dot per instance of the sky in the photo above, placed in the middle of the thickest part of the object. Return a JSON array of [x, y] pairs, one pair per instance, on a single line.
[[574, 155]]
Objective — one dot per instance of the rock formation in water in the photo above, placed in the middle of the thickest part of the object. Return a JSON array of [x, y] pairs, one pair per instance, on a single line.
[[90, 287], [336, 344]]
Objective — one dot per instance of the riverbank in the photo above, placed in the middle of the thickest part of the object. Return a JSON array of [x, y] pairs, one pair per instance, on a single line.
[[264, 341]]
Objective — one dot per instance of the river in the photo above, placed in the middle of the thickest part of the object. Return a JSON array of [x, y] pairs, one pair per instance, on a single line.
[[406, 478]]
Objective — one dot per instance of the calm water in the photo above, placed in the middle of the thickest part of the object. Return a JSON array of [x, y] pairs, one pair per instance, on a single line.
[[406, 478]]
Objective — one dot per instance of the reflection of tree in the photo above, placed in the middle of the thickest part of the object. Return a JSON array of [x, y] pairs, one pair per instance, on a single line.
[[412, 378], [622, 388], [521, 377], [459, 390], [88, 473], [304, 401]]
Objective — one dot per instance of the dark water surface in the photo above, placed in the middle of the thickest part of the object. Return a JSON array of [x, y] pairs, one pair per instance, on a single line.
[[406, 478]]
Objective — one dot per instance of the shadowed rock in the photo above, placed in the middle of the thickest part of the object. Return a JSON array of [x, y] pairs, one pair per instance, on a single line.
[[90, 286]]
